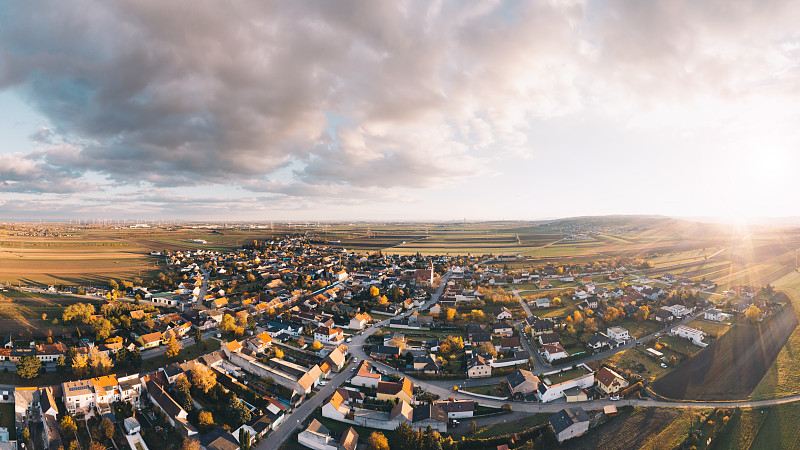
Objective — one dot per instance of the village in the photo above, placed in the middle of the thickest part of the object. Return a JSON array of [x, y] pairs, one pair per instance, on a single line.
[[288, 341]]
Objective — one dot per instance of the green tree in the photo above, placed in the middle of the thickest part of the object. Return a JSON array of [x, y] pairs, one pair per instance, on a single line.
[[198, 336], [206, 420], [28, 367], [405, 437], [238, 411], [244, 439], [136, 358], [107, 428], [68, 427], [102, 329], [61, 365]]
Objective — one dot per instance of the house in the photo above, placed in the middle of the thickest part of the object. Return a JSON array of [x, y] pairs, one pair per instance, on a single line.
[[337, 358], [349, 440], [429, 416], [663, 315], [435, 309], [618, 333], [502, 328], [575, 394], [693, 334], [592, 301], [716, 315], [522, 382], [542, 302], [549, 338], [505, 313], [318, 437], [541, 326], [359, 321], [366, 375], [131, 425], [78, 396], [509, 343], [219, 439], [569, 423], [384, 352], [336, 406], [397, 390], [598, 341], [609, 381], [677, 310], [176, 415], [151, 340], [328, 335], [478, 367], [552, 352], [457, 409]]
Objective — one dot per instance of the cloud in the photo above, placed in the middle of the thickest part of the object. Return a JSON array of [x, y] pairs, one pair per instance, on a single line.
[[362, 98], [188, 93], [27, 174]]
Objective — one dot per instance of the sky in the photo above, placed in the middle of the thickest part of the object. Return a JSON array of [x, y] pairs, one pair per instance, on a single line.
[[402, 110]]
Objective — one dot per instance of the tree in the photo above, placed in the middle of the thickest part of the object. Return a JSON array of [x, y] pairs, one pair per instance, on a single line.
[[26, 435], [206, 420], [405, 437], [173, 347], [28, 367], [190, 444], [102, 329], [228, 324], [244, 439], [107, 428], [279, 353], [238, 411], [203, 378], [488, 349], [136, 358], [642, 313], [377, 441], [431, 439], [590, 325], [316, 345], [113, 285], [374, 291], [577, 317], [78, 313], [68, 427], [198, 336], [753, 313]]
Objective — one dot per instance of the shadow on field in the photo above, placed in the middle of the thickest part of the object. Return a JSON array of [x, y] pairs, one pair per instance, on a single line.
[[731, 367]]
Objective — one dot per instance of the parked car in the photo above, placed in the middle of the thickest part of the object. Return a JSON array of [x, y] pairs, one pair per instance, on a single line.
[[614, 398], [663, 366]]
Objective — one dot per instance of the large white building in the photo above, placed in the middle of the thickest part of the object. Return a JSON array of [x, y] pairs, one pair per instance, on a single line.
[[693, 334]]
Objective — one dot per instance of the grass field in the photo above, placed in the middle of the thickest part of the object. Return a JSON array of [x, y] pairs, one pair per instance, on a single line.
[[500, 429], [741, 430], [628, 358], [650, 428], [7, 419], [497, 390], [638, 329], [779, 428], [783, 377], [714, 329], [26, 314]]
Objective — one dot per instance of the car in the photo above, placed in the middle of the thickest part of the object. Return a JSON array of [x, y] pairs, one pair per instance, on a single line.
[[323, 383], [663, 366], [614, 398], [353, 369]]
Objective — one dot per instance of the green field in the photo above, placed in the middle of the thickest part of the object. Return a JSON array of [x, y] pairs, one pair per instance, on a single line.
[[497, 390], [715, 329]]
